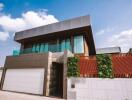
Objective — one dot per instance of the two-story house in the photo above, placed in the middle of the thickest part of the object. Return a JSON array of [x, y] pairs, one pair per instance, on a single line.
[[40, 67]]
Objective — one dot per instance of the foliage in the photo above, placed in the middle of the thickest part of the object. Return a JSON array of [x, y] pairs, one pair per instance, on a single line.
[[73, 68], [104, 66]]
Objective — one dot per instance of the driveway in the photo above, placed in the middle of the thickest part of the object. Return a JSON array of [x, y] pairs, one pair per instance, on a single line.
[[18, 96]]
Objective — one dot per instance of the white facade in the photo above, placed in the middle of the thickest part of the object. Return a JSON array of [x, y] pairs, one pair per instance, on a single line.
[[24, 80], [100, 89]]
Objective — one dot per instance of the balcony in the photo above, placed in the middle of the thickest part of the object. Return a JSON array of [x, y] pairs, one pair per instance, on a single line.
[[25, 51], [38, 50]]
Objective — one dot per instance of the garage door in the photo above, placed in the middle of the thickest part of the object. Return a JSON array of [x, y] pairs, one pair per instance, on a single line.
[[24, 80]]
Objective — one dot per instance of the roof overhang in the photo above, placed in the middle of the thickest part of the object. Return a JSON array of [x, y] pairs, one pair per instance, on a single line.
[[58, 27]]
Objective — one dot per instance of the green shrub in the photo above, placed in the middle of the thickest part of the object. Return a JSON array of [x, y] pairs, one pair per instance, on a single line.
[[73, 67], [104, 66]]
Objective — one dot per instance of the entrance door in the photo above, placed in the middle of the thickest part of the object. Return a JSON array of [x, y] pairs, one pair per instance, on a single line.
[[56, 81]]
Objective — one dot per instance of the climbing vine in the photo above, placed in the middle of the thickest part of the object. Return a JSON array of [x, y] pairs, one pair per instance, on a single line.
[[104, 66], [73, 67]]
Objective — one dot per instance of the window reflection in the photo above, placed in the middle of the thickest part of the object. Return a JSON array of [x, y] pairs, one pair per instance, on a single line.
[[78, 44]]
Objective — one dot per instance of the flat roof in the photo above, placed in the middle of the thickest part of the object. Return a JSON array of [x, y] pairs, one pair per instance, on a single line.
[[74, 23], [109, 50]]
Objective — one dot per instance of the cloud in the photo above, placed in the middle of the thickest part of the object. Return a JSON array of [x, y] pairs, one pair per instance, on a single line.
[[12, 24], [4, 36], [27, 20], [37, 19], [106, 30], [122, 39], [1, 6]]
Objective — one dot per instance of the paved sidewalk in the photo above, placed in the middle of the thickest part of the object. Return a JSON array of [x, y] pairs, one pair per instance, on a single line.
[[18, 96]]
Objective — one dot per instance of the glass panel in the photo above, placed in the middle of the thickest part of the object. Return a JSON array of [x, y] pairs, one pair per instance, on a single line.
[[16, 52], [34, 48], [78, 44], [37, 48], [46, 47], [26, 51], [53, 46], [65, 45], [42, 47], [68, 45], [62, 45]]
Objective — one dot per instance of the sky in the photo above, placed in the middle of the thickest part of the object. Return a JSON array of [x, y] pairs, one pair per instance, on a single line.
[[111, 20]]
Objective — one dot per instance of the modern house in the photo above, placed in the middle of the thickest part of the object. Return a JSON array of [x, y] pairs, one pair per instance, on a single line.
[[41, 65]]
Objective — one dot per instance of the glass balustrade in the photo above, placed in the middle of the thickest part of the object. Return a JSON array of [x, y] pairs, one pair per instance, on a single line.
[[16, 52]]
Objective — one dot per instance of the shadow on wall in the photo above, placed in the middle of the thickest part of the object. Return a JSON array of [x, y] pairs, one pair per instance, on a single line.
[[0, 74]]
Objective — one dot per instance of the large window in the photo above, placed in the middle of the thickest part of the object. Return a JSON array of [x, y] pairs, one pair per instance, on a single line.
[[53, 47], [78, 44], [43, 47], [65, 45]]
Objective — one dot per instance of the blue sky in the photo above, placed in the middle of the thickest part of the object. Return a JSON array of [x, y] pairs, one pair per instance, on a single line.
[[111, 20]]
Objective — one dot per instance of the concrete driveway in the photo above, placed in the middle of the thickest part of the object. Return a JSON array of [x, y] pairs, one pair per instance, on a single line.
[[18, 96]]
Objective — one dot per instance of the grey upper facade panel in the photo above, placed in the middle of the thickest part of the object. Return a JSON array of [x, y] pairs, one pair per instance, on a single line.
[[55, 27]]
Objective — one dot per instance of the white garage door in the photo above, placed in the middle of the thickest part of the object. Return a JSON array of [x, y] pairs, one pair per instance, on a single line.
[[24, 80]]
